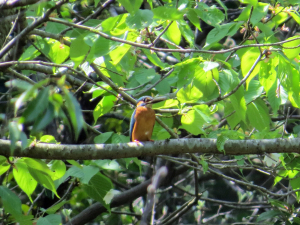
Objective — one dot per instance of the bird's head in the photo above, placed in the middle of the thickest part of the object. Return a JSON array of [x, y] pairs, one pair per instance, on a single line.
[[148, 101]]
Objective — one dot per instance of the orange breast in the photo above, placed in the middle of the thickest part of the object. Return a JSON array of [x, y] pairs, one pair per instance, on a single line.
[[144, 123]]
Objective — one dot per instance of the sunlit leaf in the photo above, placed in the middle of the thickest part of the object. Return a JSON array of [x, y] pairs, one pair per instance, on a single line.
[[24, 179], [104, 106], [292, 52]]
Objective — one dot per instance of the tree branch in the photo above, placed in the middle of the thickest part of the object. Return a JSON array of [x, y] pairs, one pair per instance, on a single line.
[[24, 32], [146, 46], [126, 150], [4, 4]]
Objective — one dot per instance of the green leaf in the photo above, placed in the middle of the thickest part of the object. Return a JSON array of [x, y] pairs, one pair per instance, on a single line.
[[160, 133], [48, 139], [58, 168], [98, 187], [295, 16], [185, 71], [144, 75], [4, 165], [258, 115], [30, 53], [11, 202], [166, 13], [295, 183], [204, 80], [113, 71], [269, 79], [75, 171], [222, 138], [56, 207], [31, 92], [91, 38], [37, 105], [74, 111], [132, 6], [117, 54], [186, 32], [89, 172], [118, 138], [104, 46], [251, 2], [226, 79], [204, 165], [232, 120], [54, 28], [79, 50], [43, 178], [152, 56], [14, 134], [293, 52], [58, 51], [104, 106], [194, 119], [248, 56], [210, 15], [189, 94], [193, 17], [238, 102], [254, 91], [49, 220], [116, 25], [140, 19], [268, 215], [43, 120], [207, 65], [102, 138], [20, 84], [163, 87], [23, 178], [280, 16], [266, 30], [98, 91], [23, 139], [218, 33], [166, 104], [108, 164], [41, 173], [173, 33], [259, 12]]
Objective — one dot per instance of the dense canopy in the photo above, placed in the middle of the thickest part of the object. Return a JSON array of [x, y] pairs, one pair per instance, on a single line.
[[226, 146]]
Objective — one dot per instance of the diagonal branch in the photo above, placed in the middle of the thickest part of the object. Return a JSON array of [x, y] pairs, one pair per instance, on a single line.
[[24, 32]]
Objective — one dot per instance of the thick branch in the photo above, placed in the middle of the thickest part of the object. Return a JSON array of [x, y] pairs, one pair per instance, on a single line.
[[174, 146], [15, 3]]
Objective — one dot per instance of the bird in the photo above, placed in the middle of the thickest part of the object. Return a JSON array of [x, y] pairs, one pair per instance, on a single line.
[[143, 119]]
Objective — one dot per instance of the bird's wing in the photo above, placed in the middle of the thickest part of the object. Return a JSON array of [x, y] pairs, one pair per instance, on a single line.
[[132, 122]]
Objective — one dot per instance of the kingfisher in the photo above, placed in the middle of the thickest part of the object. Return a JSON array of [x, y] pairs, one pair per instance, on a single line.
[[143, 119]]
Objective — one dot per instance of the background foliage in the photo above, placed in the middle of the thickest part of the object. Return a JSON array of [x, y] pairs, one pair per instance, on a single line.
[[70, 74]]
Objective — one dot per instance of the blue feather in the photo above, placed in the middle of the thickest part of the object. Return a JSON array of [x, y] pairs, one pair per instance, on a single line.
[[132, 122]]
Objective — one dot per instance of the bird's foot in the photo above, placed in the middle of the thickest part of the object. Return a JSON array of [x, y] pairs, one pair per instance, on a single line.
[[138, 142]]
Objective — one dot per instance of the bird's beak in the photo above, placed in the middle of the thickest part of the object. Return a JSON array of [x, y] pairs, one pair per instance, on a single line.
[[157, 99]]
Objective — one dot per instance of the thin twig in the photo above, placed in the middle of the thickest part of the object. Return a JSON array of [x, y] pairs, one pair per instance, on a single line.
[[146, 46], [161, 34]]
